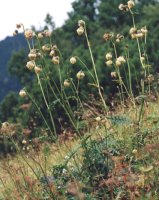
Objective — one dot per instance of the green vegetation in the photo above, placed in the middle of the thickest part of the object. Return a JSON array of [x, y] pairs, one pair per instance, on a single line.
[[7, 47], [86, 120]]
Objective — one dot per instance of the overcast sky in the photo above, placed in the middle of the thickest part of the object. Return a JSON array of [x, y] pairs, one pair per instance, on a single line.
[[31, 12]]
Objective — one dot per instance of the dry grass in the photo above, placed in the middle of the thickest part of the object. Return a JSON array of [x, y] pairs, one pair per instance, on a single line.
[[29, 163]]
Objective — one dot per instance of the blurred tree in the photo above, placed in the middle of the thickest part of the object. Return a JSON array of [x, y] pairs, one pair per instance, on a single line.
[[8, 108], [150, 19], [85, 9], [109, 14], [49, 22], [17, 67]]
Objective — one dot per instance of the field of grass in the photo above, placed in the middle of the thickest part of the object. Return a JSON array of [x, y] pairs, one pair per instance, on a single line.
[[117, 159], [98, 151]]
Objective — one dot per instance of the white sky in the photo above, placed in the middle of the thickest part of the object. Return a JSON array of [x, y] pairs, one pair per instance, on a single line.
[[31, 12]]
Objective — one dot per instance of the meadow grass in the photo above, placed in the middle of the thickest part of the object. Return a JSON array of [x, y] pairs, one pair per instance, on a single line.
[[141, 160], [113, 154]]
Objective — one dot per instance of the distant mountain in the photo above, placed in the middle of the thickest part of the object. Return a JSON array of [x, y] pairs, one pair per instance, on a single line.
[[7, 47]]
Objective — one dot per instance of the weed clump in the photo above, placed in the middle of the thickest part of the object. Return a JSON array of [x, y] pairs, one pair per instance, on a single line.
[[98, 153]]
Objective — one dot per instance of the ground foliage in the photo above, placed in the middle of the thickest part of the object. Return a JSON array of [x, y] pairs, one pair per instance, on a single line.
[[112, 123]]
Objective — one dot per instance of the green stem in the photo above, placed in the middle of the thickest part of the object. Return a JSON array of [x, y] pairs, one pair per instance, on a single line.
[[86, 68], [38, 108], [55, 134], [95, 71], [129, 74]]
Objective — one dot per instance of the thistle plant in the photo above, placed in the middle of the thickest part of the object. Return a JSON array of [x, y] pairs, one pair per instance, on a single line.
[[123, 62], [106, 160], [37, 63]]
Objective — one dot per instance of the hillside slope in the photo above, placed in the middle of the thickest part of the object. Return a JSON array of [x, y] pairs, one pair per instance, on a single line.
[[7, 47]]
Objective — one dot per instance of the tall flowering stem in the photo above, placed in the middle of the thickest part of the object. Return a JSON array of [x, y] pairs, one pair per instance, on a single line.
[[48, 107], [94, 68], [38, 108]]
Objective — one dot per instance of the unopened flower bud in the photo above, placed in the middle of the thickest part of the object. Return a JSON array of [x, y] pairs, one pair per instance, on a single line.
[[32, 56], [117, 40], [47, 33], [134, 151], [121, 59], [118, 63], [98, 119], [52, 53], [142, 58], [30, 65], [27, 148], [46, 48], [109, 63], [56, 60], [80, 31], [24, 141], [37, 69], [144, 30], [123, 7], [108, 36], [80, 75], [139, 35], [133, 31], [54, 47], [22, 93], [81, 23], [131, 4], [113, 74], [38, 55], [73, 60], [18, 26], [108, 56], [67, 83], [29, 34], [134, 36], [119, 37], [40, 35]]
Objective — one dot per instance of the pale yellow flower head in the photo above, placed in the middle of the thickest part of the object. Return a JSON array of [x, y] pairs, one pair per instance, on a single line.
[[73, 60], [30, 65], [37, 69], [22, 93], [98, 119], [121, 59], [108, 56], [80, 30], [113, 74], [47, 33], [24, 141], [66, 83], [29, 34], [130, 4], [32, 55], [109, 63], [80, 75], [56, 60], [144, 30], [40, 35], [133, 30], [52, 53], [46, 48], [81, 23]]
